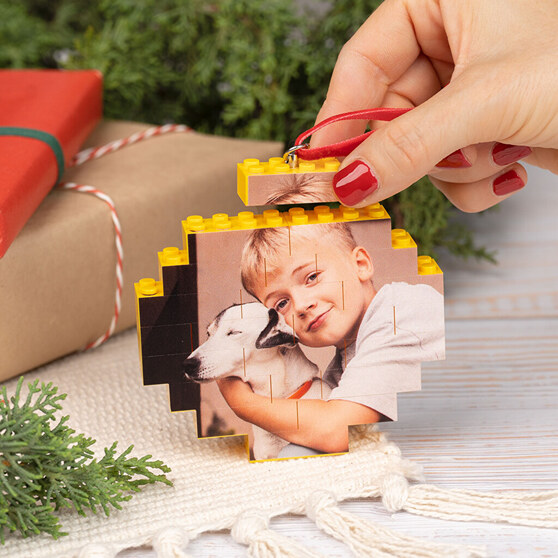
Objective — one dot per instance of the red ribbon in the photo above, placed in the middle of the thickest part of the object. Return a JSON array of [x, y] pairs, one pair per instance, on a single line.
[[343, 148]]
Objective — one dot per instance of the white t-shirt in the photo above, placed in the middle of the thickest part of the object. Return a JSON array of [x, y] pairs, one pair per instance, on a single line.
[[385, 359]]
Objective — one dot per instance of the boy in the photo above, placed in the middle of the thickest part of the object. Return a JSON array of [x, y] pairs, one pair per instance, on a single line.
[[320, 280]]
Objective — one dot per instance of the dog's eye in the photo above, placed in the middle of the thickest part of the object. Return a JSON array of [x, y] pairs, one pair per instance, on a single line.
[[234, 332]]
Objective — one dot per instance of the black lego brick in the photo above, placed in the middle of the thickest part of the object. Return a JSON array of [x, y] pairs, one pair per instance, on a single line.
[[169, 339], [168, 310], [185, 396], [180, 279], [163, 369]]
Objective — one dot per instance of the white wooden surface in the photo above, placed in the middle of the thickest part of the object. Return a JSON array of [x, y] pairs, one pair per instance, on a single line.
[[487, 417]]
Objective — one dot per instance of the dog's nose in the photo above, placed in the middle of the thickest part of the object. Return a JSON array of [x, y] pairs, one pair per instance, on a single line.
[[191, 368]]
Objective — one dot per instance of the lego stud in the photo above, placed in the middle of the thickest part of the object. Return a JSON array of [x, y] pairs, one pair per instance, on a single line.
[[246, 219], [426, 265], [296, 211], [349, 212], [376, 211], [306, 166], [272, 218], [171, 255], [275, 161], [332, 165], [222, 225], [147, 287], [221, 221], [321, 209], [274, 221], [400, 239], [281, 167], [299, 219], [251, 162], [324, 217], [195, 223]]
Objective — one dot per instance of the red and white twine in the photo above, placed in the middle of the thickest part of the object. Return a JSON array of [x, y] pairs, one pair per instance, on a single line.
[[95, 153]]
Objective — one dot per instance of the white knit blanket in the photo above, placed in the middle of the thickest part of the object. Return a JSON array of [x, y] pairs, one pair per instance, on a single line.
[[213, 479], [216, 487]]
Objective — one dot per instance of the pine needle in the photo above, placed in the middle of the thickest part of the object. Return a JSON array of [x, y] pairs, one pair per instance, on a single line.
[[46, 466]]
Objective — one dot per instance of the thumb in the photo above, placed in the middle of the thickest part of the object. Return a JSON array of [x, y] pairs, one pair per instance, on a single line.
[[407, 148]]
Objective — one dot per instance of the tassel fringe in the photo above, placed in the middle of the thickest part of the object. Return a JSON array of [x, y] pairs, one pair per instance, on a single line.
[[252, 529], [533, 509], [373, 541], [364, 538], [168, 543]]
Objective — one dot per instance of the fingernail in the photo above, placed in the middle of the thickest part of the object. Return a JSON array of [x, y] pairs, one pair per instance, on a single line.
[[504, 154], [354, 183], [455, 160], [507, 183]]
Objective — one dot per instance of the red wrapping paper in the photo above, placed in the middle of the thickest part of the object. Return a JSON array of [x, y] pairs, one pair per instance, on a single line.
[[65, 104]]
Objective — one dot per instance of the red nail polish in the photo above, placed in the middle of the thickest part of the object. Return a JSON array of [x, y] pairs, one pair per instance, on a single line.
[[354, 183], [455, 160], [507, 183], [504, 154]]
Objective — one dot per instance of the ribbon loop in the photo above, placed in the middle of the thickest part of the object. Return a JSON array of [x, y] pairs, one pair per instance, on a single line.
[[343, 148]]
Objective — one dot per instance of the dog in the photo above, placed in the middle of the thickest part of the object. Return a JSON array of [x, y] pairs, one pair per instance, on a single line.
[[255, 344]]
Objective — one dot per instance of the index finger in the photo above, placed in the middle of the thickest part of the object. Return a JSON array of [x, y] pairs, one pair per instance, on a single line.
[[377, 55]]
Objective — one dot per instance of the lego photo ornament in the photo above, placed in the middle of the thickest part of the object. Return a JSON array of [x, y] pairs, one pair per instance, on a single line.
[[289, 326], [284, 327], [323, 316]]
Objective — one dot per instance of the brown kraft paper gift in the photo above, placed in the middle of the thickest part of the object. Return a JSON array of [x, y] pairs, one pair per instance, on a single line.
[[58, 282]]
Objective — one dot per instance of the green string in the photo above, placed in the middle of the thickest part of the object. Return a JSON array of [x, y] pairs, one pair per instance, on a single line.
[[45, 137]]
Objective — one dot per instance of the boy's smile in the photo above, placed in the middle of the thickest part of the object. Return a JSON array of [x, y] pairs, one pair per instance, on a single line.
[[323, 296], [317, 322]]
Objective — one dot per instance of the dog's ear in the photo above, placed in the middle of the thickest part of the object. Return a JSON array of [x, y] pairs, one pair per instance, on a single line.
[[276, 333]]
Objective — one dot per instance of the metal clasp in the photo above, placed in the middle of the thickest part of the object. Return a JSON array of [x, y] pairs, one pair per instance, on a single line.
[[290, 157]]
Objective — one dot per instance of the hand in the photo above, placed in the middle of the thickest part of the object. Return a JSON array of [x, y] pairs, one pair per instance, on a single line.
[[497, 61]]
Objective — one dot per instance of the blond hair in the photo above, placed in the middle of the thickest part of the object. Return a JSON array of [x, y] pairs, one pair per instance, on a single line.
[[262, 249], [297, 188]]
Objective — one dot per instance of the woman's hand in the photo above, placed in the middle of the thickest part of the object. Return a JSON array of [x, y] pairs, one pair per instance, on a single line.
[[483, 75]]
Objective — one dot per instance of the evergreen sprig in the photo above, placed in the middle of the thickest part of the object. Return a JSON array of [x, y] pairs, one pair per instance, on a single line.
[[46, 466], [242, 68]]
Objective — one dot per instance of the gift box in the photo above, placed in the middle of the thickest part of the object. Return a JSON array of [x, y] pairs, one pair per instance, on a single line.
[[58, 280], [46, 116]]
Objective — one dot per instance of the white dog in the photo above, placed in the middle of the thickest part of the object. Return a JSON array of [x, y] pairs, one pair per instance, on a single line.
[[255, 344]]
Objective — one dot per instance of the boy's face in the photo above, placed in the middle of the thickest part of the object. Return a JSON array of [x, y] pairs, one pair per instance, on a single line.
[[325, 296]]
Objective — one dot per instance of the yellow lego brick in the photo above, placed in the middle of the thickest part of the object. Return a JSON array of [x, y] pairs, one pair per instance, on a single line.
[[147, 288], [196, 224], [402, 239], [171, 256], [321, 169], [427, 266]]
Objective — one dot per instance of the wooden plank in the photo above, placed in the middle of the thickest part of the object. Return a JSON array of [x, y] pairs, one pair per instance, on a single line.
[[524, 232], [487, 417]]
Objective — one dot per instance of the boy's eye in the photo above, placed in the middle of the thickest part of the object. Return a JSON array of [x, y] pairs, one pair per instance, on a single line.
[[281, 305], [313, 277], [234, 332]]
